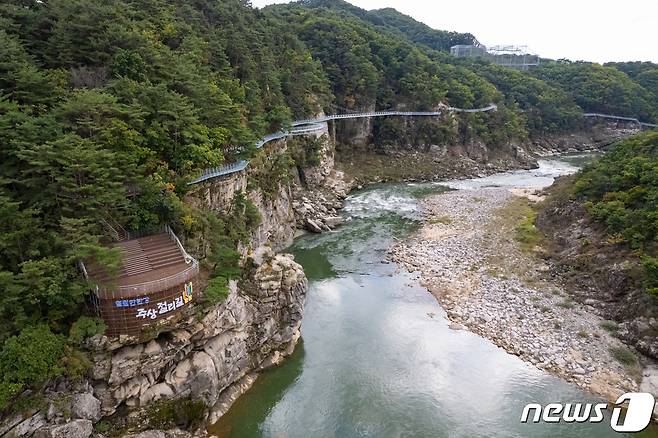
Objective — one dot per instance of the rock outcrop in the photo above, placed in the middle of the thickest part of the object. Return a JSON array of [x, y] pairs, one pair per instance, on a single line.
[[211, 356], [212, 350], [595, 136], [69, 410]]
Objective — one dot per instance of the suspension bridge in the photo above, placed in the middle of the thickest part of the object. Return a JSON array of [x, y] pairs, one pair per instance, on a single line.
[[308, 126]]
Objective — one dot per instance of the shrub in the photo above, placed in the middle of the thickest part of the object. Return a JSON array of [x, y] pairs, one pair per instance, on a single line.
[[609, 326], [76, 363], [217, 290], [566, 304], [29, 359], [623, 355], [84, 328], [651, 269]]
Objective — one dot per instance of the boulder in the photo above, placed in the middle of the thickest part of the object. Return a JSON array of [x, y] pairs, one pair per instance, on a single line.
[[72, 429], [26, 427], [313, 226], [147, 434], [333, 221], [86, 406]]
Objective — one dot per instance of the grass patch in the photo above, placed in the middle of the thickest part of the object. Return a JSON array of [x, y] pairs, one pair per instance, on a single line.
[[609, 326], [623, 355], [527, 233], [184, 413], [443, 219], [567, 304]]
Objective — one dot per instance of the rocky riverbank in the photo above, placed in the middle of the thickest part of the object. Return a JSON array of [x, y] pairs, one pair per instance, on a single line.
[[368, 164], [492, 284]]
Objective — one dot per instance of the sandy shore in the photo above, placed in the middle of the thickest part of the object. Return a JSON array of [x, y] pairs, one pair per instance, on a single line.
[[469, 259]]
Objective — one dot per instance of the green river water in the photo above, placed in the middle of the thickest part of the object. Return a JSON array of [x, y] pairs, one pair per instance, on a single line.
[[377, 358]]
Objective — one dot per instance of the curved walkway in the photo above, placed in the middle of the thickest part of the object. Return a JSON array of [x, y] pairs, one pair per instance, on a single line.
[[620, 118], [307, 126]]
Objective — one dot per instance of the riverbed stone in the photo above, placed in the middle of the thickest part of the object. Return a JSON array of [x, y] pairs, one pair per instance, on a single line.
[[488, 284]]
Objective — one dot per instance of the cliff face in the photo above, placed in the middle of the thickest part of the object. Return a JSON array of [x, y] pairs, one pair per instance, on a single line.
[[212, 349], [594, 136], [599, 272], [212, 356], [214, 352], [404, 161]]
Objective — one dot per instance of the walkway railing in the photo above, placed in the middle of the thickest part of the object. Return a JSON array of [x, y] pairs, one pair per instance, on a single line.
[[215, 172], [624, 119], [306, 126], [188, 258], [491, 107], [133, 290], [115, 230]]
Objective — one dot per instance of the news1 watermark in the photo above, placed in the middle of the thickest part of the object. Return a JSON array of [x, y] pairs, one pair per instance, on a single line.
[[637, 414]]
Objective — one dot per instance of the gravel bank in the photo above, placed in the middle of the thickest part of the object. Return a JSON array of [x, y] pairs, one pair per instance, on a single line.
[[469, 260]]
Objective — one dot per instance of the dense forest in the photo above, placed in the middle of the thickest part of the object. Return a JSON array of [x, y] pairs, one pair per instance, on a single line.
[[107, 109]]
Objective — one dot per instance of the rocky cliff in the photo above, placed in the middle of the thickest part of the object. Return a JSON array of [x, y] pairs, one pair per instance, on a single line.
[[214, 352], [211, 356], [404, 161]]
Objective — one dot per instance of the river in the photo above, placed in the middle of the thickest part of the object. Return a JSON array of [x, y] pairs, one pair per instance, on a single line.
[[377, 358]]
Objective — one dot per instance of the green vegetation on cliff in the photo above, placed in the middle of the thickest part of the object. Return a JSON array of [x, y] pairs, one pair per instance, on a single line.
[[621, 192]]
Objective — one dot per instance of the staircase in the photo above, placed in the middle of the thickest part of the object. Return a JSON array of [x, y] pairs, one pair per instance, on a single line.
[[140, 256], [161, 251], [134, 258]]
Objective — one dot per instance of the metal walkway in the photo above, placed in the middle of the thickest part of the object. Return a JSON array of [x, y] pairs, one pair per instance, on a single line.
[[623, 119], [307, 126]]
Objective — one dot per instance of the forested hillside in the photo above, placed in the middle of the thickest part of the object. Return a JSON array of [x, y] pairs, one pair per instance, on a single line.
[[644, 73], [600, 89], [620, 192], [392, 20], [108, 109]]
